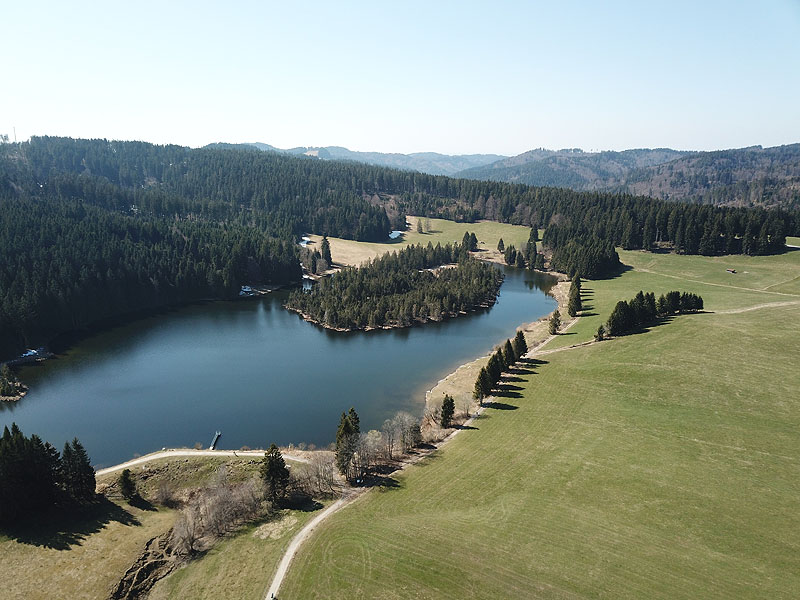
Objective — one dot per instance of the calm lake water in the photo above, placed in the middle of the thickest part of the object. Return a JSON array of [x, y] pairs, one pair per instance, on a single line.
[[252, 370]]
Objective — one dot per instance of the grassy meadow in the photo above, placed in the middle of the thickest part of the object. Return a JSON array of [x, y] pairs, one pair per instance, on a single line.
[[241, 566], [349, 252], [664, 464], [85, 555]]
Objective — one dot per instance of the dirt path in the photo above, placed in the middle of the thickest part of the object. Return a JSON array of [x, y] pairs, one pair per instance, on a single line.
[[177, 452], [725, 285], [735, 311], [351, 495], [301, 537]]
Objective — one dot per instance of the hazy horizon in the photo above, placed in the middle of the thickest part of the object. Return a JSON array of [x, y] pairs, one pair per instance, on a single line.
[[452, 78]]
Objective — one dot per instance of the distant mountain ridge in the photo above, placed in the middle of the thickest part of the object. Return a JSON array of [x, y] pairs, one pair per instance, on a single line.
[[753, 176], [431, 163]]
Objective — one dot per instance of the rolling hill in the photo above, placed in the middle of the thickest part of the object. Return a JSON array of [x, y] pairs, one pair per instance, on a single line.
[[431, 163], [752, 176]]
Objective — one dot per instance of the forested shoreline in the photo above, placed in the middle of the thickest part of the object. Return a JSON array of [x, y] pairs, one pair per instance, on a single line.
[[96, 229], [414, 285]]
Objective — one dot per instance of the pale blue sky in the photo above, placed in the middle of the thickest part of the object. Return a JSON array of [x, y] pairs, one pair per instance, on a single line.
[[452, 77]]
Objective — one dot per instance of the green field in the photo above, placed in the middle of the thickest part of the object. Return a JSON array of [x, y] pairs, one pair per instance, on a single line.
[[758, 280], [84, 556], [440, 232], [664, 464], [241, 566]]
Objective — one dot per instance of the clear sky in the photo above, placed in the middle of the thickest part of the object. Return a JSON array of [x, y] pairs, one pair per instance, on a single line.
[[406, 76]]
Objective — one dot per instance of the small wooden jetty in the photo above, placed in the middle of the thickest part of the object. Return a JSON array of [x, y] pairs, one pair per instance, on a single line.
[[213, 445]]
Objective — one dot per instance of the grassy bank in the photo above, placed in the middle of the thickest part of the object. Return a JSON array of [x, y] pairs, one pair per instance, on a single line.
[[241, 566], [658, 465], [84, 555]]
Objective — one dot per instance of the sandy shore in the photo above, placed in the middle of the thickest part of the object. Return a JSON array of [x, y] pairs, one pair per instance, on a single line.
[[461, 382]]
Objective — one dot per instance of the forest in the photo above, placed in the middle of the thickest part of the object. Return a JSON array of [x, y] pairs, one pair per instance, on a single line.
[[400, 289], [94, 229], [35, 477]]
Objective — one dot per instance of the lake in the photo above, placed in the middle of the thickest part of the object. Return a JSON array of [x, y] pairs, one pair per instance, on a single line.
[[252, 370]]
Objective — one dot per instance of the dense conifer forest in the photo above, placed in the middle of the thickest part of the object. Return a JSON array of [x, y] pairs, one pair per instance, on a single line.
[[399, 289], [34, 476], [91, 229]]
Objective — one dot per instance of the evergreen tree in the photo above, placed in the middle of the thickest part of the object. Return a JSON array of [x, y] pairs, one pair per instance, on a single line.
[[501, 246], [83, 476], [520, 345], [127, 485], [448, 410], [555, 322], [473, 242], [274, 474], [508, 353], [347, 442], [325, 250]]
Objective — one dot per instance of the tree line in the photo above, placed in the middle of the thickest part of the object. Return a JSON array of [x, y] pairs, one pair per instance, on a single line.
[[644, 308], [67, 265], [35, 477], [500, 360], [401, 288]]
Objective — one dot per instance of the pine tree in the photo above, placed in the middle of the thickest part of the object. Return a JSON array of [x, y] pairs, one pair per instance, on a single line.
[[448, 410], [520, 345], [473, 242], [501, 246], [347, 442], [555, 322], [325, 248], [84, 477], [274, 474], [127, 486], [509, 354]]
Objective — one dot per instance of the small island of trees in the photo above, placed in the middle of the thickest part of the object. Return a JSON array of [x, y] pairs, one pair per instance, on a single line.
[[415, 285]]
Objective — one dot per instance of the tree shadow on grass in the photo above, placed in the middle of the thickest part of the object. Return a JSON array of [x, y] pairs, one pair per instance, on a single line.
[[502, 406], [650, 326], [587, 314], [466, 428], [138, 502], [62, 529], [519, 371], [508, 378], [533, 362]]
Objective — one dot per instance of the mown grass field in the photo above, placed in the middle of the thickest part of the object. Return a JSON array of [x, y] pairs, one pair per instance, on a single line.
[[664, 464], [241, 566], [757, 280], [348, 252]]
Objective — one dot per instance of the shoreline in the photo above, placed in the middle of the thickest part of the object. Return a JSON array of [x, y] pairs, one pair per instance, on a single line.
[[459, 383], [445, 316]]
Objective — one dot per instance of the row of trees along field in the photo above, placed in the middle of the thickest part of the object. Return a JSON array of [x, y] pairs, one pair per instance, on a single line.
[[35, 477], [501, 360], [644, 309], [401, 288]]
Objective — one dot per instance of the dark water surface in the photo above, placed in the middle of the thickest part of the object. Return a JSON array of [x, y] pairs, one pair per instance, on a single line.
[[252, 370]]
